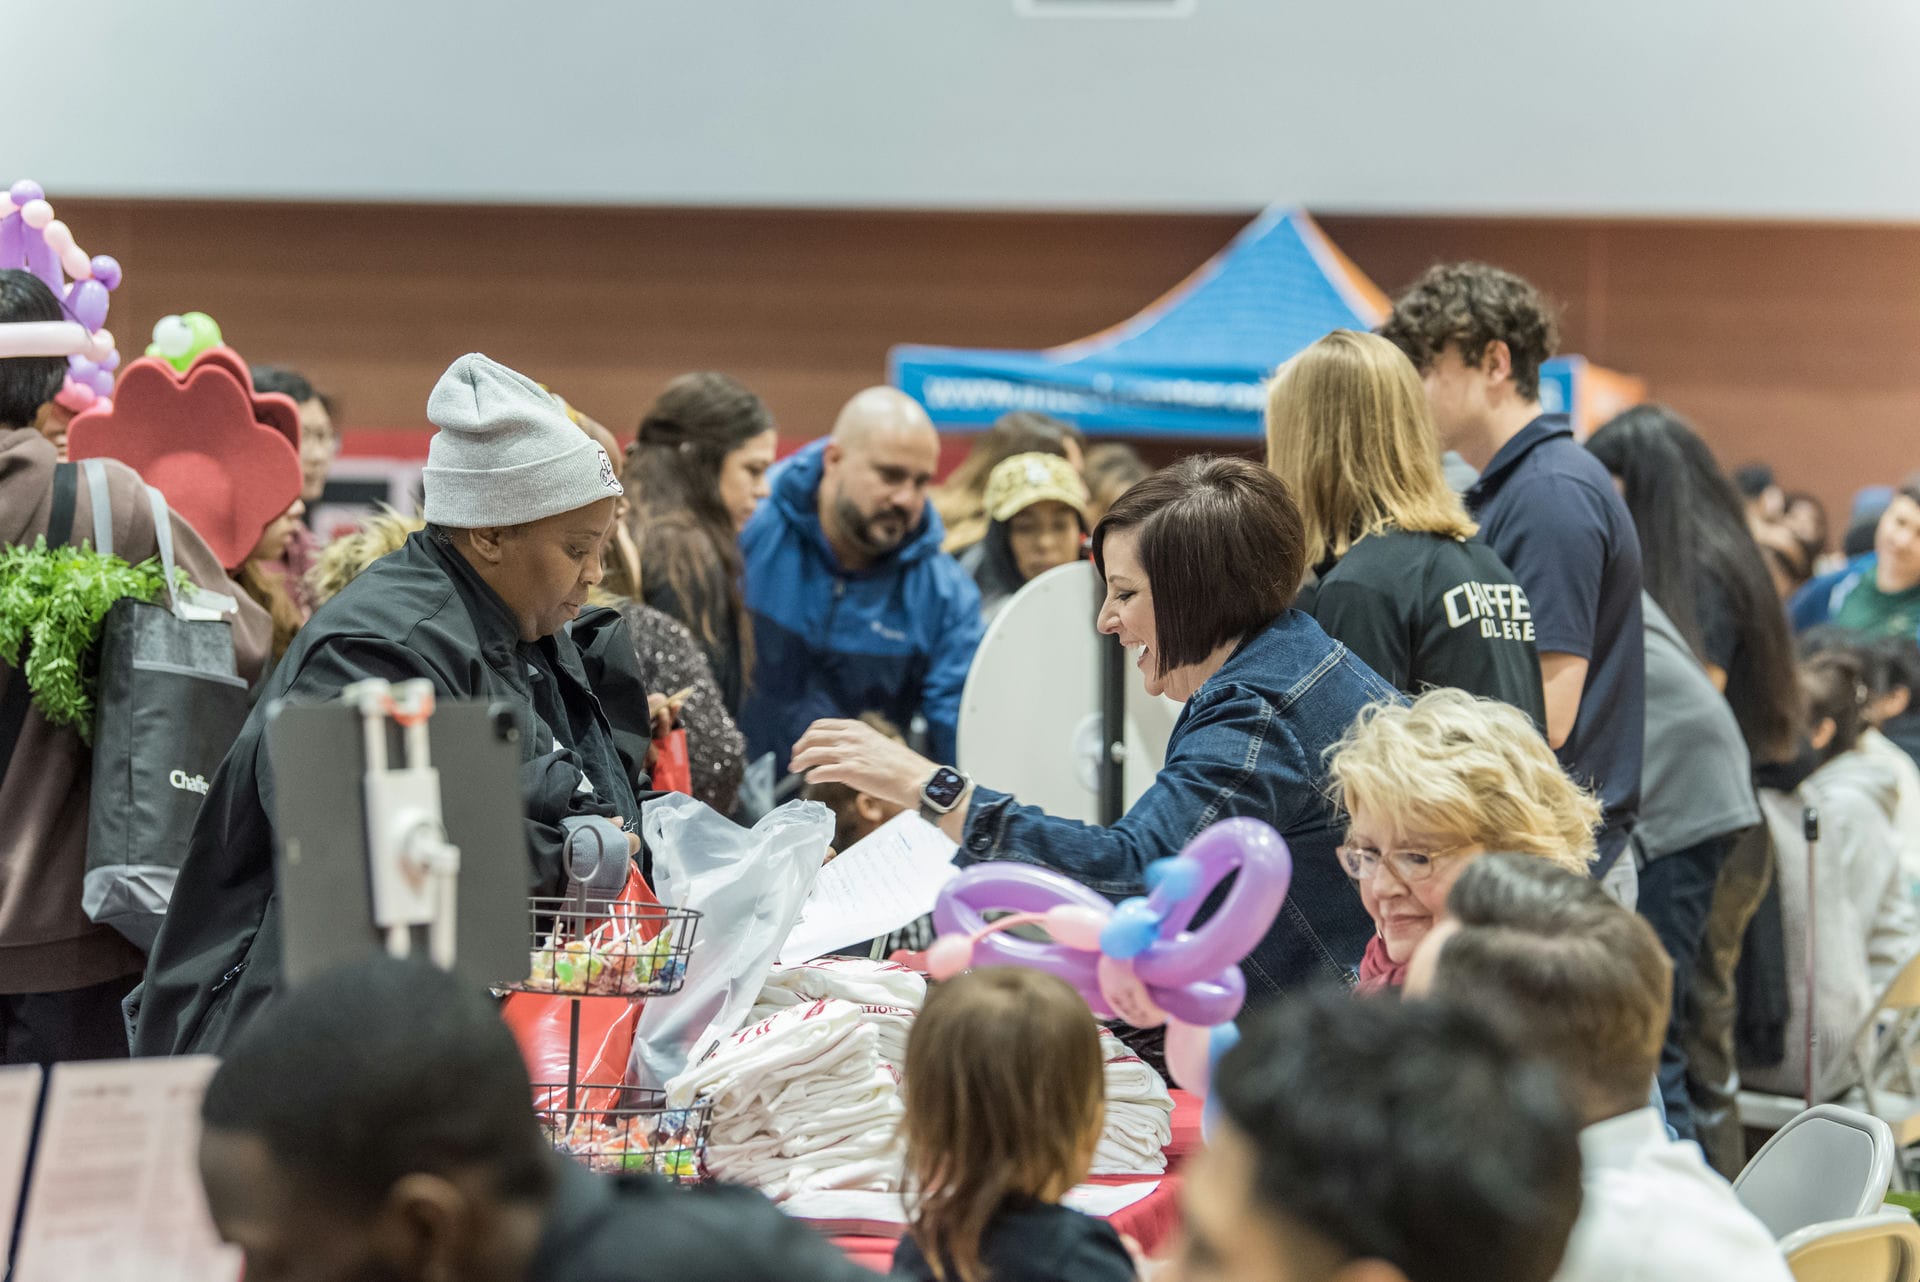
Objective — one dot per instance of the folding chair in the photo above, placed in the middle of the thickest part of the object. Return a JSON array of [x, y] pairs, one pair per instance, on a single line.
[[1883, 1247], [1829, 1163]]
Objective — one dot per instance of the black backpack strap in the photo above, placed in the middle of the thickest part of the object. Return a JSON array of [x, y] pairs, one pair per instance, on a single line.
[[66, 488], [15, 698]]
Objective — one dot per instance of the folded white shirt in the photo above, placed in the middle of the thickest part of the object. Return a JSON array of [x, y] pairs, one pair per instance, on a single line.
[[1132, 1078], [789, 1043], [843, 1065], [1109, 1159], [855, 979], [813, 1093]]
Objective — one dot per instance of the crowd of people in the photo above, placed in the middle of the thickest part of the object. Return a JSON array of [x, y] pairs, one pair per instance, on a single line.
[[1542, 740]]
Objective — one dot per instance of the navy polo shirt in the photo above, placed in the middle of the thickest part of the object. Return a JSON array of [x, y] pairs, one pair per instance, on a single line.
[[1550, 510]]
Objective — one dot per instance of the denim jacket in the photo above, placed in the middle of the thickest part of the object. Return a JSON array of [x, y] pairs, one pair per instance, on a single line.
[[1251, 741]]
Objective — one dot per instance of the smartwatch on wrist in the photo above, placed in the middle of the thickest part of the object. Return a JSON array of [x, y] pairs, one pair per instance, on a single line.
[[941, 793]]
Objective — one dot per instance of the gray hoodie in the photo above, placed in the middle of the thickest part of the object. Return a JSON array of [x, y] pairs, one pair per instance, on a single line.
[[1865, 920]]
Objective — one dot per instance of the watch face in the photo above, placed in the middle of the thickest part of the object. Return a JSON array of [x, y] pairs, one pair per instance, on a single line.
[[944, 789]]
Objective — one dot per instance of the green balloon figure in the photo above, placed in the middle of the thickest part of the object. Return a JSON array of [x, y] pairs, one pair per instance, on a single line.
[[178, 339]]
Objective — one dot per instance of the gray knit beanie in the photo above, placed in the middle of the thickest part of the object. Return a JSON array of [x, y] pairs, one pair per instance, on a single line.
[[506, 453]]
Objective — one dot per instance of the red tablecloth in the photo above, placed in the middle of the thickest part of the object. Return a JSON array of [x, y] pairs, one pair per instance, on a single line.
[[1150, 1221], [1187, 1111]]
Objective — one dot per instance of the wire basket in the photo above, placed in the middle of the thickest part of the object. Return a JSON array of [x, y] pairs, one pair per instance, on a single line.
[[582, 949], [625, 1129]]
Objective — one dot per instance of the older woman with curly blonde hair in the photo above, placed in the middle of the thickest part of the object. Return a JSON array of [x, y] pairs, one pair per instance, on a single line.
[[1429, 785]]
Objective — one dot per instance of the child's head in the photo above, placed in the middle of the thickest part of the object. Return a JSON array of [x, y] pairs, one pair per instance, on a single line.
[[1895, 678], [1889, 667], [856, 814], [1006, 1098], [1837, 698]]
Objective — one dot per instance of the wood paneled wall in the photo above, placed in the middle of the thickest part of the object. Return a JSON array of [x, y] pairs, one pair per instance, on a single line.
[[1797, 344], [1794, 344]]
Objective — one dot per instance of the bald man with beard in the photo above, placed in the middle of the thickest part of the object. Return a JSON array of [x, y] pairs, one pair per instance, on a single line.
[[855, 607]]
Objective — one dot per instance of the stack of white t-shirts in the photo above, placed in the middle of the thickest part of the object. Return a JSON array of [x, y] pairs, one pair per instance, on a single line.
[[888, 994], [1139, 1114], [801, 1100], [859, 980]]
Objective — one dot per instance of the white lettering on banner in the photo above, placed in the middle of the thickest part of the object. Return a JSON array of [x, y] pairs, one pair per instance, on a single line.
[[1500, 610], [188, 783], [945, 392]]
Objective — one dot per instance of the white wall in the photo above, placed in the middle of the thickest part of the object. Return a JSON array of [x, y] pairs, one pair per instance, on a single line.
[[1724, 107]]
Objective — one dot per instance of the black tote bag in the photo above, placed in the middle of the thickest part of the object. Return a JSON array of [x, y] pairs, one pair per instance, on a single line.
[[169, 705]]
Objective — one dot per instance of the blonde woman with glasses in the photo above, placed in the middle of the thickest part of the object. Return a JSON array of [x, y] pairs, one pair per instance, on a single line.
[[1428, 786], [1400, 577]]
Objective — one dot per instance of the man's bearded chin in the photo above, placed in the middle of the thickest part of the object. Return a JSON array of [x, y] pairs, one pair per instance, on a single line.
[[862, 527]]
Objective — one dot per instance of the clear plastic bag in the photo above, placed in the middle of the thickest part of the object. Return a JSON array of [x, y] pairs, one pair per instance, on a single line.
[[750, 884]]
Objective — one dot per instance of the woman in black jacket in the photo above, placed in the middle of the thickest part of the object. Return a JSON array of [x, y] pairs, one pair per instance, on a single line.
[[484, 604]]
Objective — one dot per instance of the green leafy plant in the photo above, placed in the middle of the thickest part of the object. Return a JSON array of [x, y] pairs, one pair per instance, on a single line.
[[53, 602]]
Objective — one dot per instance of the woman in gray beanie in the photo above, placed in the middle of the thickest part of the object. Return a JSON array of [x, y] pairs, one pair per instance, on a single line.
[[519, 505]]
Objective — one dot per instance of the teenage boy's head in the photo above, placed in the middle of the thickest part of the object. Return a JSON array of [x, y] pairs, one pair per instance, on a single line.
[[1478, 336], [1374, 1141], [1568, 973], [375, 1125], [1896, 541]]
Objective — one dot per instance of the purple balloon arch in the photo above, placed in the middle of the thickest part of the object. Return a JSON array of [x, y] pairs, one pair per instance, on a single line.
[[33, 239]]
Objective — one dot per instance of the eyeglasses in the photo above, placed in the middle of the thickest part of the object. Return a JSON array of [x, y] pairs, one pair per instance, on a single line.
[[1410, 866]]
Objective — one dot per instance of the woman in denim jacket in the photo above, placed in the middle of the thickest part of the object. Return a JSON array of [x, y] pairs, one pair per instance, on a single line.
[[1202, 562]]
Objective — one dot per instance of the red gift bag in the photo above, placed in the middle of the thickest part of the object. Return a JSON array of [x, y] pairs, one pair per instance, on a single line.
[[540, 1023], [672, 768]]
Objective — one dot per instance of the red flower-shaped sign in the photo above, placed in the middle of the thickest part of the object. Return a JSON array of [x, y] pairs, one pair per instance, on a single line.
[[227, 460]]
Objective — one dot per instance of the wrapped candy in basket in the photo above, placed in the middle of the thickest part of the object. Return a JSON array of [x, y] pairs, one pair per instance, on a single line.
[[609, 949], [638, 1133]]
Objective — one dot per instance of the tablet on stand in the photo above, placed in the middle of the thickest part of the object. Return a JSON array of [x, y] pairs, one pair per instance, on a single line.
[[436, 797]]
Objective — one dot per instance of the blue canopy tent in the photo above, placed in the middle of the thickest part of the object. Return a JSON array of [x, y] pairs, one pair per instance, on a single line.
[[1192, 364]]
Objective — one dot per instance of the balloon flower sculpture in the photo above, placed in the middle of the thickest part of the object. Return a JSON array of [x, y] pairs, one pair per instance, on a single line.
[[1141, 962], [31, 237]]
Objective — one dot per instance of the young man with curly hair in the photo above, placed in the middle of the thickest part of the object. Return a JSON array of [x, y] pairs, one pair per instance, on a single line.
[[1478, 336]]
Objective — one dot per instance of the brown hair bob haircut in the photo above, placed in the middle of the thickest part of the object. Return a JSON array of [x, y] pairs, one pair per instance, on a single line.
[[1223, 547]]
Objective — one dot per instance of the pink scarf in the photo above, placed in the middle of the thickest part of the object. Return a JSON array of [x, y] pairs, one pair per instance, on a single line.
[[1377, 970]]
